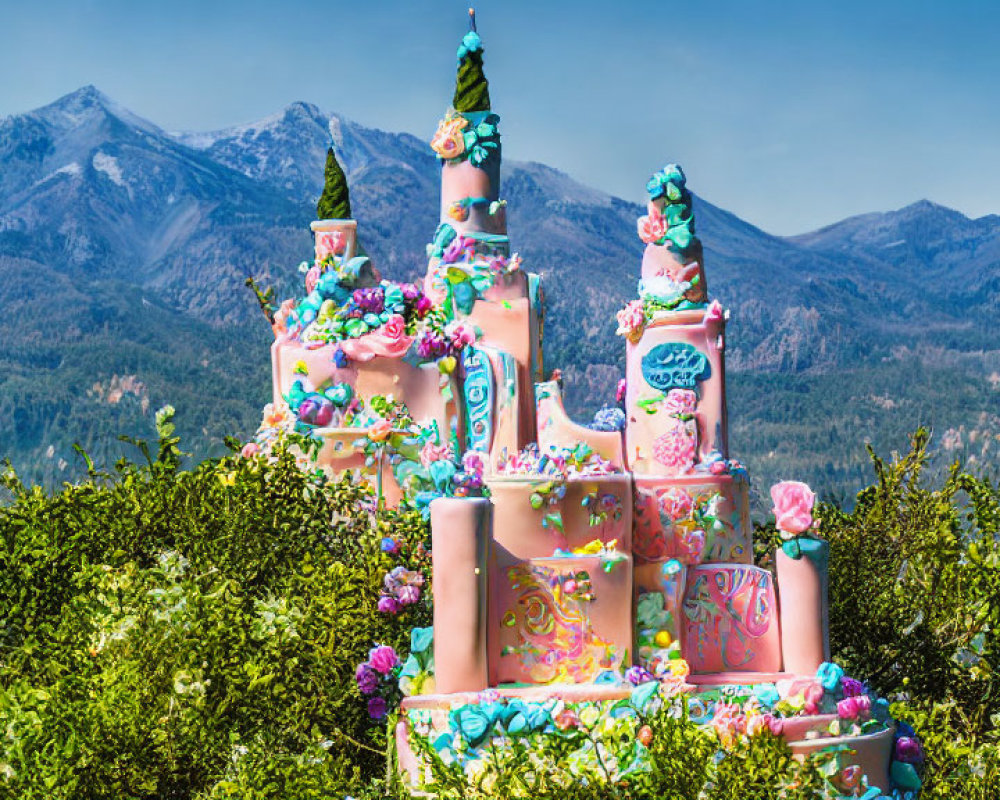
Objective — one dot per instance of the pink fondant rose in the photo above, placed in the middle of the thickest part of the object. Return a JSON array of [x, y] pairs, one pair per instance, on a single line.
[[680, 401], [330, 243], [432, 452], [631, 321], [379, 430], [793, 505], [652, 227], [676, 504], [390, 341], [383, 659], [312, 278]]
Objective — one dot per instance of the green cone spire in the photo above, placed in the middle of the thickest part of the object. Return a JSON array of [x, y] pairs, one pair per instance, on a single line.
[[335, 202], [472, 90]]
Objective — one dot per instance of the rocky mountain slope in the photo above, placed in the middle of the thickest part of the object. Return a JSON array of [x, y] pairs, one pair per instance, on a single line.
[[123, 251]]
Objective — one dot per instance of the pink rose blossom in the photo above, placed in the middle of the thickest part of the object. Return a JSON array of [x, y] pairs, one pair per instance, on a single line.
[[312, 278], [653, 227], [432, 452], [848, 708], [631, 320], [681, 401], [793, 505], [676, 504], [408, 595], [390, 340], [250, 449], [330, 243], [383, 659], [620, 391], [473, 462], [462, 334]]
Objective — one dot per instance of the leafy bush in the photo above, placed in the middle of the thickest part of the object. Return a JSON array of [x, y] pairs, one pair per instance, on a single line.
[[915, 608], [169, 633]]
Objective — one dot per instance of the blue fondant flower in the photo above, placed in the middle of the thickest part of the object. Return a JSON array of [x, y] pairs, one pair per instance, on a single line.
[[829, 675], [421, 639], [471, 43]]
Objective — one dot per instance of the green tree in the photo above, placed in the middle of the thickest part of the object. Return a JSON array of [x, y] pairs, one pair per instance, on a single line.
[[335, 202]]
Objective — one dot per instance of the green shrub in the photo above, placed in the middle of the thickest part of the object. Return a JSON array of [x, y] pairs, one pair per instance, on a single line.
[[160, 623], [170, 633], [915, 610]]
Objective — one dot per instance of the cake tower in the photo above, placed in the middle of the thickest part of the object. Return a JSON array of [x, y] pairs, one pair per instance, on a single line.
[[606, 568], [472, 273]]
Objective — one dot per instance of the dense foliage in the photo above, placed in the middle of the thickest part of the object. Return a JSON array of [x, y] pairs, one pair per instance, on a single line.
[[171, 633]]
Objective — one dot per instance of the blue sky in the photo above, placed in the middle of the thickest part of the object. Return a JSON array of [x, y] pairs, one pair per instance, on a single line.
[[790, 114]]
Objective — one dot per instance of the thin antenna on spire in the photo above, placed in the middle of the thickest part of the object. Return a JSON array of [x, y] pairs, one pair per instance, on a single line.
[[472, 20]]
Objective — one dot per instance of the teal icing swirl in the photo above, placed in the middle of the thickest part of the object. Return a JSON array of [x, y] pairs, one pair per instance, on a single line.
[[812, 547]]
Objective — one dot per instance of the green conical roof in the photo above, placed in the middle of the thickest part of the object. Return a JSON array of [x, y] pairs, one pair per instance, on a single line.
[[335, 202], [472, 90]]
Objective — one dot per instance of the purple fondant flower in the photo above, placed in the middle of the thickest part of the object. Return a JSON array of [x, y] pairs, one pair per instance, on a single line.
[[366, 677], [908, 750], [376, 707], [851, 687], [389, 605], [408, 595], [636, 675], [382, 659]]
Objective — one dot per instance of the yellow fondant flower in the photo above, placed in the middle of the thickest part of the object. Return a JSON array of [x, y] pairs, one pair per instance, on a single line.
[[449, 142]]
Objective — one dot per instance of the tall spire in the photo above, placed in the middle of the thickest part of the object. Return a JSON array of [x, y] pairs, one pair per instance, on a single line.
[[472, 91], [335, 202]]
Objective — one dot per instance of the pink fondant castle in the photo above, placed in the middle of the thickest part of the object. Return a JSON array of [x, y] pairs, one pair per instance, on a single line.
[[601, 559]]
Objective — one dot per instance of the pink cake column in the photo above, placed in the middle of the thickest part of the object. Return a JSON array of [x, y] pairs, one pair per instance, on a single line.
[[802, 589], [460, 541]]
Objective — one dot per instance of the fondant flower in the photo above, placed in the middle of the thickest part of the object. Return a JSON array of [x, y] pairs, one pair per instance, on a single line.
[[458, 211], [379, 430], [281, 317], [434, 452], [389, 605], [376, 707], [681, 402], [461, 334], [674, 449], [631, 321], [389, 340], [329, 243], [250, 449], [448, 141], [366, 677], [676, 504], [793, 506], [652, 227], [382, 659]]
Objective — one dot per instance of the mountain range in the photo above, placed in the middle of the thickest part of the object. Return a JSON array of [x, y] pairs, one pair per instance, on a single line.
[[124, 249]]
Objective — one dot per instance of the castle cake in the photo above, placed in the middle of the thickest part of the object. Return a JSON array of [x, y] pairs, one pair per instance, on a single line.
[[581, 573]]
